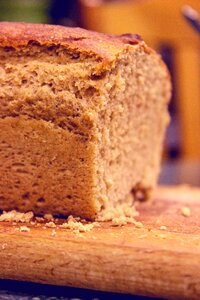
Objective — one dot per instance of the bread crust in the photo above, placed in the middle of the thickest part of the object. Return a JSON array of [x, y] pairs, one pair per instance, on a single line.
[[14, 34]]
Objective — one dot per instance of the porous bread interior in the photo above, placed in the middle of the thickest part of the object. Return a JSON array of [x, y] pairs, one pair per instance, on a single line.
[[121, 114], [45, 169], [132, 126], [51, 84], [49, 102]]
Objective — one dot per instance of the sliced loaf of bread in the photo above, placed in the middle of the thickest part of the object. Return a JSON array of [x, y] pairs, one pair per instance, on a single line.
[[82, 118]]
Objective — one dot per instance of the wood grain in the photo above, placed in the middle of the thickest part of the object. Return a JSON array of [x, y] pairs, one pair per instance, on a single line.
[[145, 261]]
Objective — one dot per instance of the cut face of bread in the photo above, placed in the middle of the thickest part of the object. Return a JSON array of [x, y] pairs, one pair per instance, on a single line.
[[82, 119]]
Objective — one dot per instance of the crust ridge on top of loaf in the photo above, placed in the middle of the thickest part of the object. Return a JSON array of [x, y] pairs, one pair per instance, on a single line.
[[105, 46]]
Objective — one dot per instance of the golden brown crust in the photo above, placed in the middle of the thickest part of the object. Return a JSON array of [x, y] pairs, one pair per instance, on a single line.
[[105, 46]]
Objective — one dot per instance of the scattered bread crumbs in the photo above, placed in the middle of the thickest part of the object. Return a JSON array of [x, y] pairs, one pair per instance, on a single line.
[[15, 216], [3, 246], [48, 217], [163, 227], [120, 215], [24, 229], [123, 220], [76, 226], [186, 212], [50, 225], [53, 233]]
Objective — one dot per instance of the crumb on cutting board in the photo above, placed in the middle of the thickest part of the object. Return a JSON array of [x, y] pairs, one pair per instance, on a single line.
[[120, 215], [123, 220], [24, 229], [15, 216], [120, 221], [50, 224], [163, 227], [3, 246], [53, 233], [76, 226], [186, 212]]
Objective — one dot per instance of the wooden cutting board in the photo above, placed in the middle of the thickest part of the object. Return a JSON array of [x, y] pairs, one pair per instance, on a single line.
[[152, 260]]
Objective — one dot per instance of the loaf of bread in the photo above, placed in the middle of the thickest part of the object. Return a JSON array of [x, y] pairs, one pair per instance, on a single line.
[[82, 118]]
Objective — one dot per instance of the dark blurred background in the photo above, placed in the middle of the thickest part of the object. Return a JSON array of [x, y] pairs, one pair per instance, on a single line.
[[63, 12], [163, 27]]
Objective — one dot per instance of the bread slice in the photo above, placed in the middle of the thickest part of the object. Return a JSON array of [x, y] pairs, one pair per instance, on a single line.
[[82, 118]]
